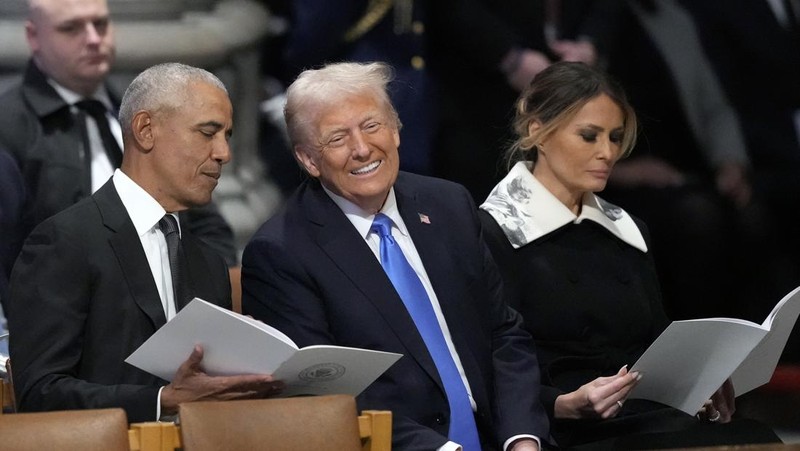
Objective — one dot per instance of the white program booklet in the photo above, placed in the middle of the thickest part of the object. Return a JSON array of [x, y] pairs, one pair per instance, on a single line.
[[237, 344], [691, 359]]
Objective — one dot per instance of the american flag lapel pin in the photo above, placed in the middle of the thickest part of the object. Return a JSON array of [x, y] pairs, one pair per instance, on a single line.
[[424, 218]]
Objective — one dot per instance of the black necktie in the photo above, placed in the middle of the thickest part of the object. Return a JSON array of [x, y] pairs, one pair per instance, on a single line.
[[97, 111], [177, 263]]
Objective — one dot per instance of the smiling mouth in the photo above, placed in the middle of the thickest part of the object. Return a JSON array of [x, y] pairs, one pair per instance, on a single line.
[[368, 168]]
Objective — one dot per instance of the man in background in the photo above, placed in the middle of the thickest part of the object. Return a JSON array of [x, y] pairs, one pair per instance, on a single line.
[[60, 122]]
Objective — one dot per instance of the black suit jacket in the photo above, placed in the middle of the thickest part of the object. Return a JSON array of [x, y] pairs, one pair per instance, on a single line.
[[82, 298], [310, 274], [46, 139], [12, 196]]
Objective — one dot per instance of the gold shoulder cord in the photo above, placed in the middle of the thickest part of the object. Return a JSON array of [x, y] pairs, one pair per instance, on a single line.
[[376, 10]]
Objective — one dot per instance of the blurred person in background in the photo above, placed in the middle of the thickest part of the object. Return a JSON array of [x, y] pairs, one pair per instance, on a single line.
[[60, 122], [483, 53], [689, 176]]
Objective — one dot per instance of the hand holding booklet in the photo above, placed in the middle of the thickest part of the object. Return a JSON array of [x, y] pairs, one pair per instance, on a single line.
[[691, 359], [237, 344]]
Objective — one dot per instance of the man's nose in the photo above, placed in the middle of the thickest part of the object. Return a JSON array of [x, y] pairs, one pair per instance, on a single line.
[[358, 145], [222, 152], [93, 36]]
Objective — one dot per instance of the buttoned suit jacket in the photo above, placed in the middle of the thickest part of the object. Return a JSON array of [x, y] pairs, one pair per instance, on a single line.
[[82, 298], [47, 141], [309, 273]]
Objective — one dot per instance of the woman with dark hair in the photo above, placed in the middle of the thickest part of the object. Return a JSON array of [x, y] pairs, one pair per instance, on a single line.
[[579, 270]]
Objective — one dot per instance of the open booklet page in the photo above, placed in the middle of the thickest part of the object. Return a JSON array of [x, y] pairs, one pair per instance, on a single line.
[[691, 359], [236, 344], [757, 369]]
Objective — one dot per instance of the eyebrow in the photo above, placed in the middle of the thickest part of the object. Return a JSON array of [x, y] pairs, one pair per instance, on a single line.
[[598, 128], [82, 20]]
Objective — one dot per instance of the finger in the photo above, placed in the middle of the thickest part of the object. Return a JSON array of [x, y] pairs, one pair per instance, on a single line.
[[705, 410], [266, 391], [725, 395], [600, 381], [720, 404], [197, 354], [246, 383], [615, 384], [614, 409], [729, 392], [191, 364]]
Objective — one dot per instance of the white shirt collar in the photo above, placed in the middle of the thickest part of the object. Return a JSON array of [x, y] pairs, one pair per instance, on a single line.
[[526, 211], [72, 97], [362, 219], [143, 209]]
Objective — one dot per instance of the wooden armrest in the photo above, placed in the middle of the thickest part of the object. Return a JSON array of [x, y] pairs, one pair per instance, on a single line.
[[375, 428], [154, 436]]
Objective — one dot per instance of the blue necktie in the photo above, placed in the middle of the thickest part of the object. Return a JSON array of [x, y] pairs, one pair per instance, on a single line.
[[462, 421]]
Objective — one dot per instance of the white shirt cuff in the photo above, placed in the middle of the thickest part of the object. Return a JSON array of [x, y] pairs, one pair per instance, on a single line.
[[517, 437], [450, 446]]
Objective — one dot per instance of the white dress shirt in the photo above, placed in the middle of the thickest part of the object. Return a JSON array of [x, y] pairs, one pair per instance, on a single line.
[[145, 212]]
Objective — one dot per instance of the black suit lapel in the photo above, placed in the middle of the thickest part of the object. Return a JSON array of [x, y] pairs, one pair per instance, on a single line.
[[130, 255], [341, 242]]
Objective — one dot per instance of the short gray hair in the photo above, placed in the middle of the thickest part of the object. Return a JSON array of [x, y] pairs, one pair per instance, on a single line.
[[315, 89], [161, 86]]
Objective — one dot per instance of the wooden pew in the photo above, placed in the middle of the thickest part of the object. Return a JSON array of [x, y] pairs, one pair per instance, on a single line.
[[375, 428]]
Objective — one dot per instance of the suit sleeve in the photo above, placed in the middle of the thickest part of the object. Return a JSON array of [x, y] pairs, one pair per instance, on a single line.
[[510, 271], [50, 302], [517, 408]]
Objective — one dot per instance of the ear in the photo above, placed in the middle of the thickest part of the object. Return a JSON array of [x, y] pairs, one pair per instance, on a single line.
[[305, 159], [142, 130], [396, 136], [31, 37], [533, 128]]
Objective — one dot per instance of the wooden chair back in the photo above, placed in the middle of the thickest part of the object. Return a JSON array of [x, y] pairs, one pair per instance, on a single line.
[[85, 430], [293, 424], [235, 274], [7, 401], [374, 429]]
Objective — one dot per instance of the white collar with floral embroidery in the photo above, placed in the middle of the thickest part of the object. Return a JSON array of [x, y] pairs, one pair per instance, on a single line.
[[526, 211]]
